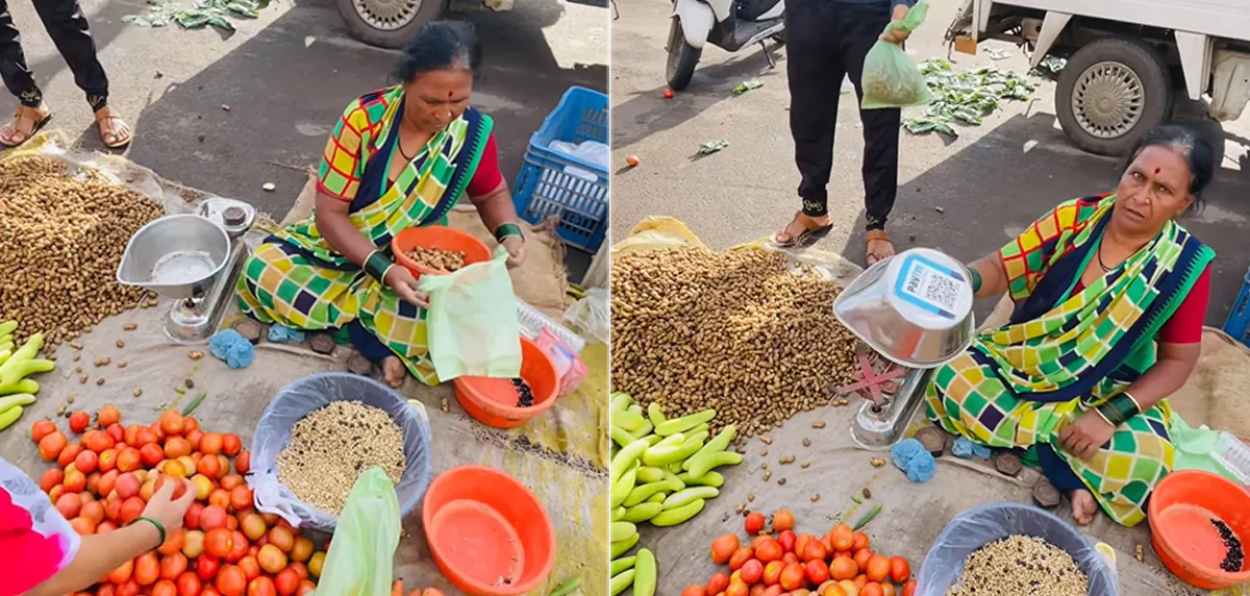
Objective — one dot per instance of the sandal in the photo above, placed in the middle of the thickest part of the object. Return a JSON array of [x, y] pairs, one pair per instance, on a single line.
[[11, 134], [874, 252], [120, 131], [805, 239]]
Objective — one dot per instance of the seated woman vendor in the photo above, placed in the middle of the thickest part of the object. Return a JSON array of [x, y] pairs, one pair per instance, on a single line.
[[397, 158], [1110, 295]]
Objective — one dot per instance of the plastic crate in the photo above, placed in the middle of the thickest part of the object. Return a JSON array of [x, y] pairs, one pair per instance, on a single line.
[[1238, 323], [555, 183]]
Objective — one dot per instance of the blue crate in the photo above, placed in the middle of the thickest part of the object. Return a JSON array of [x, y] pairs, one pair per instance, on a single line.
[[555, 183], [1238, 323]]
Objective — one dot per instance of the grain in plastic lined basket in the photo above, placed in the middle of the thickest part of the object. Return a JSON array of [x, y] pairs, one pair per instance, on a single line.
[[306, 395]]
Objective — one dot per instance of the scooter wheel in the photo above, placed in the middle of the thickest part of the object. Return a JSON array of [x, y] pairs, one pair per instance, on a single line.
[[682, 57]]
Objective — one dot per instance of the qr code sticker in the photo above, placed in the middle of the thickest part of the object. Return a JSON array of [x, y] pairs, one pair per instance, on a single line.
[[933, 287]]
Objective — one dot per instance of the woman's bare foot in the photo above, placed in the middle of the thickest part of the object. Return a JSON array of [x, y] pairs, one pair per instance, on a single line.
[[802, 225], [879, 247], [114, 132], [1084, 508], [393, 371], [25, 123]]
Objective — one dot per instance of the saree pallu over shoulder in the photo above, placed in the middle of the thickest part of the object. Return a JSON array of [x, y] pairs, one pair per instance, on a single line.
[[354, 169], [1062, 344]]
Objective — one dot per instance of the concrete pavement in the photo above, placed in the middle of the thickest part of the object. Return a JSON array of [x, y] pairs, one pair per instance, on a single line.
[[967, 196]]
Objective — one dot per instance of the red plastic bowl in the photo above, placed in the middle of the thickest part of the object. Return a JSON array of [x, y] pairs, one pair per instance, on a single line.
[[440, 237], [483, 528], [492, 401], [1181, 531]]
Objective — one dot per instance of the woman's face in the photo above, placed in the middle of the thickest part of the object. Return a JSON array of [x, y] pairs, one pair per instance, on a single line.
[[1153, 190], [433, 99]]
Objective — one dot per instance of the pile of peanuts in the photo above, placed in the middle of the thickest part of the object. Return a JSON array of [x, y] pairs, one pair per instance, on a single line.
[[63, 238]]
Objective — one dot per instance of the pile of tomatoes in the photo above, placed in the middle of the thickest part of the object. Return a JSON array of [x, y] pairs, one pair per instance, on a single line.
[[104, 479], [839, 563]]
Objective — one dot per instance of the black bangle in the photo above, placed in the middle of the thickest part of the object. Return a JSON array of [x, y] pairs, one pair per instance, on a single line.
[[160, 528], [377, 264], [508, 229], [1119, 408]]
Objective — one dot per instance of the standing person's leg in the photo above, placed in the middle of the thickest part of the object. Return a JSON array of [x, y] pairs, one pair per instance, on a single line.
[[20, 82], [69, 30], [815, 79], [881, 131]]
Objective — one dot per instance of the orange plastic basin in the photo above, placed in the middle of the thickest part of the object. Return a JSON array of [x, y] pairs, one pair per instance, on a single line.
[[440, 237], [488, 533], [492, 401], [1181, 532]]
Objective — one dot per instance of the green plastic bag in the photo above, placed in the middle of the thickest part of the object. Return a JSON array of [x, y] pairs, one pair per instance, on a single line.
[[363, 550], [472, 321], [891, 79]]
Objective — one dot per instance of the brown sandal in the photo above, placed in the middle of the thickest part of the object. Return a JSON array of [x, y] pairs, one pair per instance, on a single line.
[[877, 237], [12, 128], [806, 238], [120, 131]]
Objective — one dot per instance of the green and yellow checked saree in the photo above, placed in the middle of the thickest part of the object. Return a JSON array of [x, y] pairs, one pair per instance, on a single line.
[[295, 278], [1065, 352]]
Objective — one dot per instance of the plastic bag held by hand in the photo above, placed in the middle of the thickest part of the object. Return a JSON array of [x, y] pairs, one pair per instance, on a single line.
[[472, 321], [362, 552], [891, 79]]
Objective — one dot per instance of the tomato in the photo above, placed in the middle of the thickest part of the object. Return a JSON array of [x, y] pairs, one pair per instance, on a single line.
[[75, 481], [790, 558], [737, 589], [202, 486], [300, 569], [67, 455], [116, 431], [249, 566], [240, 546], [51, 478], [792, 577], [723, 548], [83, 526], [105, 527], [231, 581], [241, 498], [754, 523], [816, 571], [842, 537], [165, 587], [51, 445], [769, 550], [108, 415], [78, 421], [307, 587], [210, 591], [69, 504], [861, 580], [191, 519], [151, 454], [129, 460], [173, 543], [888, 589], [302, 550], [871, 589], [878, 568], [212, 517], [230, 444], [41, 429], [172, 423], [261, 586], [772, 572], [859, 540], [219, 542], [783, 520], [909, 589], [176, 447], [188, 584], [173, 565], [206, 567], [98, 441], [147, 569], [862, 557], [122, 572], [287, 582], [219, 497], [787, 539], [194, 437], [740, 557], [688, 591], [900, 570], [190, 425], [210, 443], [319, 558], [87, 462], [815, 551], [283, 538], [271, 558], [229, 481], [93, 510], [752, 571], [843, 568], [243, 462], [106, 483], [715, 585]]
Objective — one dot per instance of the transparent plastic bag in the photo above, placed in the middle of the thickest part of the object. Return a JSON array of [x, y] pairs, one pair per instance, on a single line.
[[979, 526], [472, 321], [300, 398], [590, 315], [569, 366], [891, 79], [361, 555]]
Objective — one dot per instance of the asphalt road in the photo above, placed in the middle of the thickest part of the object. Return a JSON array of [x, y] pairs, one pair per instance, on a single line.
[[287, 76], [966, 197]]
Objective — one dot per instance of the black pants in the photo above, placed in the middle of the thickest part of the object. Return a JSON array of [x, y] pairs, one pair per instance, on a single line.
[[66, 25], [826, 40]]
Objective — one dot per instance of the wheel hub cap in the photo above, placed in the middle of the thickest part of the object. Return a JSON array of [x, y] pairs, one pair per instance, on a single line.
[[387, 14], [1108, 100]]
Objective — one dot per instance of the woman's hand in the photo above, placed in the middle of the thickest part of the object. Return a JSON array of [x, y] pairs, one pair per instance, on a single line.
[[1084, 437], [515, 245], [405, 285], [167, 510], [897, 36]]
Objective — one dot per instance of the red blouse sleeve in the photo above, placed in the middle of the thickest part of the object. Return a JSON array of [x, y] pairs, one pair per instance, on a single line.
[[1185, 326], [488, 177]]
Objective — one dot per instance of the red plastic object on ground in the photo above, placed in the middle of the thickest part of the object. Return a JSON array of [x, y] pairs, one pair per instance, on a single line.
[[1181, 532], [488, 534], [493, 401], [440, 237]]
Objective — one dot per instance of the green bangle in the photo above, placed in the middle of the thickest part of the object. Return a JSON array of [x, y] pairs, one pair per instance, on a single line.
[[975, 278], [508, 229], [160, 528], [1119, 409], [377, 264]]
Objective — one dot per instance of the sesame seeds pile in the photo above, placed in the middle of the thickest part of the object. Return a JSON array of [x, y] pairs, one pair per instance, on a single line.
[[1234, 556], [330, 447], [1020, 566]]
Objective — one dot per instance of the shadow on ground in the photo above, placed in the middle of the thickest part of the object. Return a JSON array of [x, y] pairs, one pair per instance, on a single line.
[[934, 209]]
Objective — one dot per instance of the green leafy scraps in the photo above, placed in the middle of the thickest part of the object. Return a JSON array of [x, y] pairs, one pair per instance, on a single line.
[[201, 13], [745, 86], [1049, 67], [964, 98], [711, 147]]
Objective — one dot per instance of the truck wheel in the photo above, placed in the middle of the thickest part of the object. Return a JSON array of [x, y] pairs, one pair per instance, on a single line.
[[1110, 93], [387, 23], [682, 57]]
